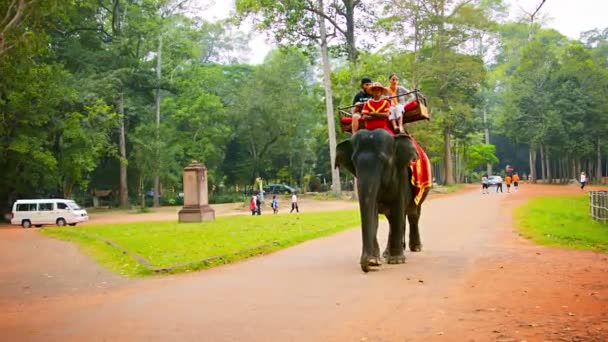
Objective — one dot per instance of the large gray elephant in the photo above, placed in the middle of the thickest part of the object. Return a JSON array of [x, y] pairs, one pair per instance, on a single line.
[[381, 162]]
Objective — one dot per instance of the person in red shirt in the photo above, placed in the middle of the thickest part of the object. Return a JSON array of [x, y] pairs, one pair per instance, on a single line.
[[377, 110]]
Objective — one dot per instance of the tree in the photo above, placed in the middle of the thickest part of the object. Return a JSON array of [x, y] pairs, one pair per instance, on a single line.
[[480, 154], [271, 108], [302, 23]]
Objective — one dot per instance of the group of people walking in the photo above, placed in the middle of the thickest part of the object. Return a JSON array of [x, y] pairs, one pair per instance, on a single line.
[[255, 204], [510, 179]]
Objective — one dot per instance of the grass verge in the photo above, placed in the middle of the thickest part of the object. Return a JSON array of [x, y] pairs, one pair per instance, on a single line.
[[562, 221], [192, 246]]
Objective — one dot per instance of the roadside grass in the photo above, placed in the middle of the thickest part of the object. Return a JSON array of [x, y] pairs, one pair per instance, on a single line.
[[446, 189], [191, 246], [562, 221]]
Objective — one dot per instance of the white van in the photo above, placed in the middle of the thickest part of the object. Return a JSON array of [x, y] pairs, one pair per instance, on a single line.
[[36, 212]]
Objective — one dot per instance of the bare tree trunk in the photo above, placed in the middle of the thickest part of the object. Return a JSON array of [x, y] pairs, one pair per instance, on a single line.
[[543, 171], [532, 174], [349, 6], [158, 78], [329, 106], [124, 189], [549, 175], [487, 136], [598, 170], [142, 192], [447, 155]]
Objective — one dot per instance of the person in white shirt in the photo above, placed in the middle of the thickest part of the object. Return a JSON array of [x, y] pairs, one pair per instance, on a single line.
[[484, 185], [583, 180], [294, 203]]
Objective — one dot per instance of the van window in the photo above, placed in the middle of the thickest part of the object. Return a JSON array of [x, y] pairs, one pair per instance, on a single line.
[[73, 205], [45, 206], [61, 205], [26, 207]]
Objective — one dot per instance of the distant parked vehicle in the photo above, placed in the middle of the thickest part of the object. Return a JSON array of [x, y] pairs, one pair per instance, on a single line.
[[37, 212], [279, 189], [493, 180]]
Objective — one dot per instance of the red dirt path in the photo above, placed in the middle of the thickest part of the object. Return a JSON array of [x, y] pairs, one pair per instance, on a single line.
[[476, 280]]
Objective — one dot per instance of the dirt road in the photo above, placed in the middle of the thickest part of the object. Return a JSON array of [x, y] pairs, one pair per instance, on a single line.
[[475, 280]]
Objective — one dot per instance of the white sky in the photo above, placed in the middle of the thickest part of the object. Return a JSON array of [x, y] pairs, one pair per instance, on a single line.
[[570, 17]]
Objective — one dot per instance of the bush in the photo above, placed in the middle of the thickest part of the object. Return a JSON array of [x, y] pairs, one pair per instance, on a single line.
[[227, 197], [171, 199]]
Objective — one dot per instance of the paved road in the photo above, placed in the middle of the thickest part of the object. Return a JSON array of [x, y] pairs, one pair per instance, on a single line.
[[313, 291]]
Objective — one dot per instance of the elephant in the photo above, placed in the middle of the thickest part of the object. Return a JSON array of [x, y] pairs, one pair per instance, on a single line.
[[381, 162]]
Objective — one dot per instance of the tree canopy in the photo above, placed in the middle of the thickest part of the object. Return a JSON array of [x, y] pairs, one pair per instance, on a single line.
[[121, 95]]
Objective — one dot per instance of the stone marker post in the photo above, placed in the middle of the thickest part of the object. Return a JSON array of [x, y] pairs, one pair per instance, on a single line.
[[196, 199]]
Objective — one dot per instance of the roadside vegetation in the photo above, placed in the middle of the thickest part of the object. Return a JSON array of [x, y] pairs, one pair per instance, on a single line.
[[147, 248], [562, 221]]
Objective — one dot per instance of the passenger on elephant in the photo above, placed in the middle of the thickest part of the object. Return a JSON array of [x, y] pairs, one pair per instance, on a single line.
[[377, 110], [360, 98], [398, 101]]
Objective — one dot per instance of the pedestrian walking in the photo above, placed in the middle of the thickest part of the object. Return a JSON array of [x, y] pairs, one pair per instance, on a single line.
[[515, 181], [258, 204], [484, 185], [508, 180], [583, 180], [253, 206], [294, 203], [499, 186], [274, 205]]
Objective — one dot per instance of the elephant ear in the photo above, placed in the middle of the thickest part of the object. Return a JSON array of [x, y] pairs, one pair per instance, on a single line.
[[405, 151], [344, 156]]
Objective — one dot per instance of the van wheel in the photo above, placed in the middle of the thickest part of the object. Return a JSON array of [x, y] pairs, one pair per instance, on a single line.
[[60, 222], [26, 223], [72, 224]]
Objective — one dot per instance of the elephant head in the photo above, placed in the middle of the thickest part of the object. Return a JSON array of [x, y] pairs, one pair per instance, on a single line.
[[381, 163]]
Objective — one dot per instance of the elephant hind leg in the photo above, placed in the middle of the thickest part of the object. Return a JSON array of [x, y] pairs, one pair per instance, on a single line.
[[413, 219]]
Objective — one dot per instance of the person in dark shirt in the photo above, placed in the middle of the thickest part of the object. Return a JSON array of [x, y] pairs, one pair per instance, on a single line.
[[360, 98]]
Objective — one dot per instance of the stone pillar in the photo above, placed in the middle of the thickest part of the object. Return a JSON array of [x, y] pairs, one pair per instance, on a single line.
[[196, 199]]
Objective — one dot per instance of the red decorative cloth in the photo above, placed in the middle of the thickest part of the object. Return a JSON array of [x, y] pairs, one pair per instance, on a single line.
[[410, 106], [421, 173], [377, 106]]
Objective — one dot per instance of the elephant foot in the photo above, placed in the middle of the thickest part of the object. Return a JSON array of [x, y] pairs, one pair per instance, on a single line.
[[397, 259], [368, 262], [415, 247]]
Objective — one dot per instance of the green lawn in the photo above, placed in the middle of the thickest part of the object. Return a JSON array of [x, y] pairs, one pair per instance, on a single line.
[[562, 221], [167, 244]]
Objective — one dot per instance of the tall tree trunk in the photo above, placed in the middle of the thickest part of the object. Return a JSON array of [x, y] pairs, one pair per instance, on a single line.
[[487, 136], [598, 171], [447, 155], [442, 48], [124, 189], [349, 5], [543, 170], [549, 175], [532, 174], [329, 106], [158, 79], [573, 169]]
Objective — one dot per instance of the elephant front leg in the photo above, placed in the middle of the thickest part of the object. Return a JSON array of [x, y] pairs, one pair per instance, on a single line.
[[394, 249], [413, 219], [370, 254]]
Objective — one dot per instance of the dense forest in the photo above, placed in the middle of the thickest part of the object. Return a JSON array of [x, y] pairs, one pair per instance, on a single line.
[[120, 95]]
